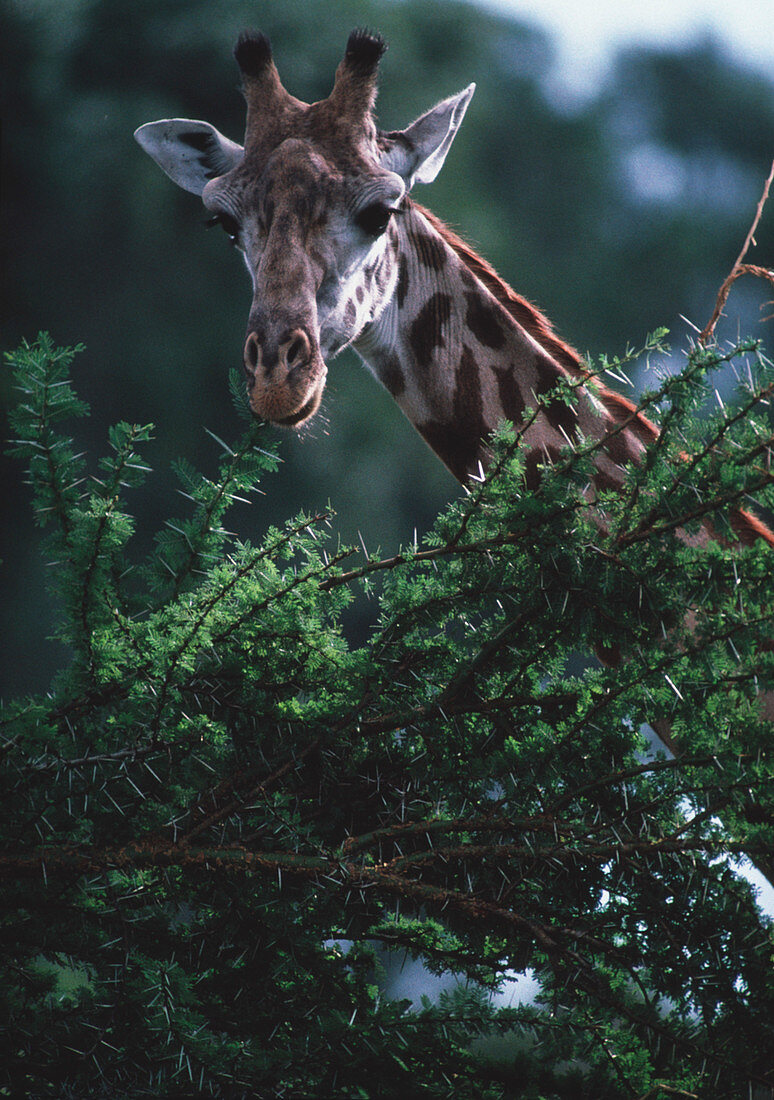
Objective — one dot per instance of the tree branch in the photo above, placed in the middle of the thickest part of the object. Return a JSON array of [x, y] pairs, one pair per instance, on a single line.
[[739, 267]]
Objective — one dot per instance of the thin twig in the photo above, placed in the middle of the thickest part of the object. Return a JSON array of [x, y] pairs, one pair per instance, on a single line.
[[739, 267]]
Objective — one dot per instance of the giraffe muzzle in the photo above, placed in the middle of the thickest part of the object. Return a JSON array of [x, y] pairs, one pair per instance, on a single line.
[[285, 382]]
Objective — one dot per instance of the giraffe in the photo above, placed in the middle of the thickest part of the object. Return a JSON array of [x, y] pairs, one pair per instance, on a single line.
[[319, 202]]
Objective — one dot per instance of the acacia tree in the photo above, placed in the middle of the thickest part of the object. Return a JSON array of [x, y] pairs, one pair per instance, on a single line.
[[222, 812]]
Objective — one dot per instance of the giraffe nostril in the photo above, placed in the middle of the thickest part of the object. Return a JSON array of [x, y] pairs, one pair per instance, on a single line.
[[251, 354], [297, 351]]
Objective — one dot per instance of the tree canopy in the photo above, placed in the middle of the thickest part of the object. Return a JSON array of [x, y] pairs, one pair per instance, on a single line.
[[223, 813], [262, 761]]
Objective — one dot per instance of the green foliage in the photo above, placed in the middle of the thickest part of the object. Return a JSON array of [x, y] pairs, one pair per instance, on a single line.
[[222, 814], [608, 213]]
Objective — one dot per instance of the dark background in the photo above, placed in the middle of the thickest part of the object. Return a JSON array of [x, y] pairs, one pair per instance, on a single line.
[[615, 216]]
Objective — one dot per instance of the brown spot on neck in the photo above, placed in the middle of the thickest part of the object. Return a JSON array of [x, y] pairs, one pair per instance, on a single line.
[[426, 332], [508, 392], [430, 250], [536, 458], [561, 415], [389, 372], [483, 321], [459, 446], [468, 406], [403, 281]]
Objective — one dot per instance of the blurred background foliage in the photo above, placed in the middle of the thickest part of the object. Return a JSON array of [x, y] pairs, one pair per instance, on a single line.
[[615, 215]]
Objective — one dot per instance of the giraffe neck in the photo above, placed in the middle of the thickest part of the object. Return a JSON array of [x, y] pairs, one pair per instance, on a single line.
[[458, 362]]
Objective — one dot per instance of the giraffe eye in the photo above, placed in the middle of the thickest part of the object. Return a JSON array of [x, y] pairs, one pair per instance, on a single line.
[[229, 225], [374, 219]]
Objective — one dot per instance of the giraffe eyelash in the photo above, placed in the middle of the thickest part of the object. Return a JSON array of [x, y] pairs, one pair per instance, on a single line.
[[227, 223], [375, 218]]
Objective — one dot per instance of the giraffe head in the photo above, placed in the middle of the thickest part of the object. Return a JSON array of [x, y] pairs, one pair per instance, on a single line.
[[310, 200]]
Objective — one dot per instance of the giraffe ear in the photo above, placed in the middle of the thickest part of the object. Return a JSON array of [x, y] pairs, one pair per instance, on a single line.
[[418, 152], [190, 152]]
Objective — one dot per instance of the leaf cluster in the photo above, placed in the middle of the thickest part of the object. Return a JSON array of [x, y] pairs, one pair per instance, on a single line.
[[223, 815]]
